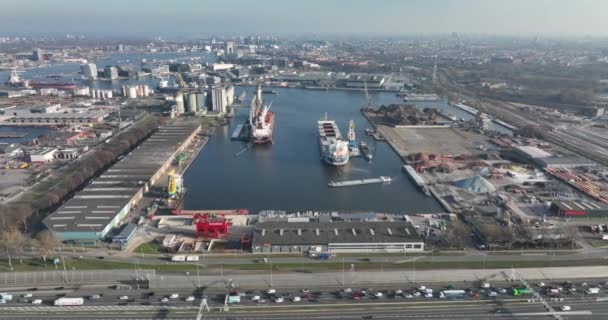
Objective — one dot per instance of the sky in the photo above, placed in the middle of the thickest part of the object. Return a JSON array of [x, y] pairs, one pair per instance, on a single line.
[[390, 17]]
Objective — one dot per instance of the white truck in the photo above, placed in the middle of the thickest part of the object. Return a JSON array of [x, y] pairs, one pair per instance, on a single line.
[[592, 290], [178, 258], [6, 297], [192, 258], [69, 302]]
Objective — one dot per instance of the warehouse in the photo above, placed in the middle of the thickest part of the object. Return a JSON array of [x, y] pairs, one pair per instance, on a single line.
[[579, 208], [339, 236], [60, 118], [103, 205]]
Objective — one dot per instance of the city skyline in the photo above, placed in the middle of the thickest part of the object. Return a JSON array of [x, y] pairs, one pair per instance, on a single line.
[[390, 17]]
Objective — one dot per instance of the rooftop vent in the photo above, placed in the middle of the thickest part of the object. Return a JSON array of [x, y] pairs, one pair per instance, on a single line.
[[354, 232], [299, 232], [336, 232], [390, 232], [372, 231]]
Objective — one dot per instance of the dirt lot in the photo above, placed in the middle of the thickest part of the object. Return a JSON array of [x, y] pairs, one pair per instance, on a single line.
[[434, 140]]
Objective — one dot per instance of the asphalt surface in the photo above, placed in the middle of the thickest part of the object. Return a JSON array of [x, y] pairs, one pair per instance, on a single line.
[[317, 303]]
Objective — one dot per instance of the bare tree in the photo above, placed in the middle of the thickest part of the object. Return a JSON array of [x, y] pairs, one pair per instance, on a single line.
[[47, 243]]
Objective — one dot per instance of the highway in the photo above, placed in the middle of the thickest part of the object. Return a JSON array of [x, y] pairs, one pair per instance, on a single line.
[[316, 303]]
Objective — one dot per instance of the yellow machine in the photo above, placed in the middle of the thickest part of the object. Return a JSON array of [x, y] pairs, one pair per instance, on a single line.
[[172, 184]]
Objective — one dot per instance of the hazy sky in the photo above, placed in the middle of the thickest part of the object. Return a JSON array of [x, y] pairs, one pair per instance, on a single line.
[[191, 17]]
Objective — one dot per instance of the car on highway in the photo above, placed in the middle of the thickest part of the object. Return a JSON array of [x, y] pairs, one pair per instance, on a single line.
[[378, 294], [398, 292], [492, 294], [174, 296], [271, 291], [541, 284], [95, 297], [26, 295], [255, 298], [279, 300], [123, 297], [24, 300], [565, 308], [348, 290], [261, 301], [305, 290], [190, 298], [408, 296], [357, 296], [2, 301], [37, 301], [296, 299], [164, 300]]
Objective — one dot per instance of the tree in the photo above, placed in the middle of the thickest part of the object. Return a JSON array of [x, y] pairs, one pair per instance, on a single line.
[[47, 243]]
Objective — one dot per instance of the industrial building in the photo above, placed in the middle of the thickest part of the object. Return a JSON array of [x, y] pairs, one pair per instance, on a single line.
[[102, 205], [547, 160], [222, 97], [337, 236], [60, 118], [361, 81], [25, 111], [579, 208]]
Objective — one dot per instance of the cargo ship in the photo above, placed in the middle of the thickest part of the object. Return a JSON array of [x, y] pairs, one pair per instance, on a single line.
[[15, 81], [261, 120], [334, 150]]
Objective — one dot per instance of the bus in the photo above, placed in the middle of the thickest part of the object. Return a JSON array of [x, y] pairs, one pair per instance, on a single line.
[[521, 291]]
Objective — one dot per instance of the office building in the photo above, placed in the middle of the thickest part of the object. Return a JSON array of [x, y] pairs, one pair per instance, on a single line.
[[89, 70], [110, 72]]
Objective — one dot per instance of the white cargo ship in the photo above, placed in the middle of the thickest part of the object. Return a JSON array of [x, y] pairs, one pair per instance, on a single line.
[[334, 150]]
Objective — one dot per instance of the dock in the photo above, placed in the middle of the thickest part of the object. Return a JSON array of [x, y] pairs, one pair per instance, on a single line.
[[241, 132], [474, 112], [349, 183], [13, 135], [418, 180]]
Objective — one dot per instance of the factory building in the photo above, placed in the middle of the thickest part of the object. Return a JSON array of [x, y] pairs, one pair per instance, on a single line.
[[579, 208], [337, 236], [89, 70], [24, 111], [547, 160], [61, 118], [94, 212], [360, 81]]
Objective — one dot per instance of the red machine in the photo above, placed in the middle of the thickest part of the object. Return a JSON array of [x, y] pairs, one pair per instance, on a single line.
[[206, 223], [180, 212]]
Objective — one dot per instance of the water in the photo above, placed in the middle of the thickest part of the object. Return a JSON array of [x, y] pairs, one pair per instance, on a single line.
[[289, 174]]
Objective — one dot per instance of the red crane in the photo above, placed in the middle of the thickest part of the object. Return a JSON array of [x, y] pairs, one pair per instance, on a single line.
[[209, 223]]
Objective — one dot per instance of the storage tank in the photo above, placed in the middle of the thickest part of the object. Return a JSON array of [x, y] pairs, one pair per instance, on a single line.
[[179, 103], [109, 94], [146, 90], [94, 94], [163, 84], [132, 93], [201, 100], [123, 91], [192, 102]]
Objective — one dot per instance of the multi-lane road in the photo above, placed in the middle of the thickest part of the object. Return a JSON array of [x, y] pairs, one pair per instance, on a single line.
[[381, 302]]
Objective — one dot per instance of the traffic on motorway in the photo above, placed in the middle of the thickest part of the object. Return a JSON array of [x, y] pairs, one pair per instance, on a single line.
[[558, 292]]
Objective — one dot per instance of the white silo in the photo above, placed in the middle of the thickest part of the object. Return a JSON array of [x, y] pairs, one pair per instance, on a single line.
[[132, 92], [192, 102], [179, 103], [109, 94]]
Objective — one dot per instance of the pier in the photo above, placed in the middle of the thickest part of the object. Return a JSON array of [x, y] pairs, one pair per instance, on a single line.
[[349, 183], [417, 179]]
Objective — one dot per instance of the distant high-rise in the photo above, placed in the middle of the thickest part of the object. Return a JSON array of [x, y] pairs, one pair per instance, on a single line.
[[110, 72], [38, 55], [119, 48], [229, 47], [89, 70]]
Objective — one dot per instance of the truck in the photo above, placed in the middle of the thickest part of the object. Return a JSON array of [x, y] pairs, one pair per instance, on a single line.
[[521, 291], [452, 294], [593, 290], [234, 299], [178, 258], [69, 302], [192, 258], [6, 297], [324, 256]]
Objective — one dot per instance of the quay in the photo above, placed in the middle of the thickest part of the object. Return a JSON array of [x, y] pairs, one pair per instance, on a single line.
[[348, 183], [418, 180], [12, 135]]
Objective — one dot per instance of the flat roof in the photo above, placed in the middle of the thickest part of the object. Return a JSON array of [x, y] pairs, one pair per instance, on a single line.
[[61, 115], [323, 233], [533, 152], [580, 205], [94, 207], [573, 161]]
